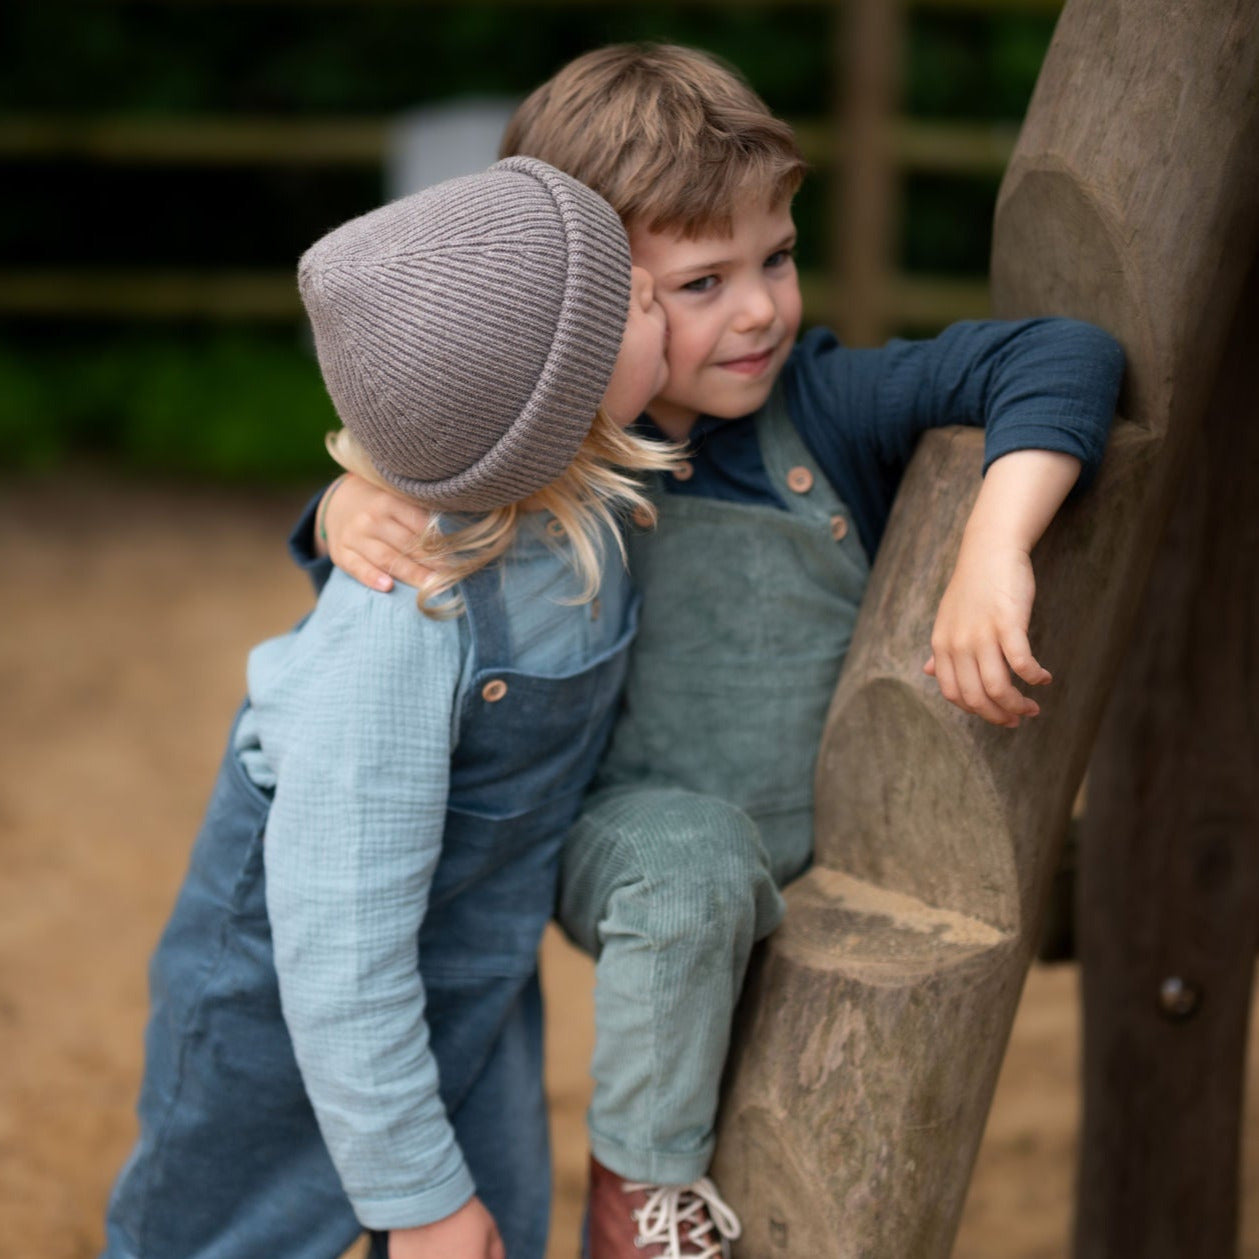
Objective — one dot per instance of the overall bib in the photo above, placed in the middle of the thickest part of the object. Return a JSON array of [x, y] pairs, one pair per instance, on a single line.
[[704, 804], [230, 1163]]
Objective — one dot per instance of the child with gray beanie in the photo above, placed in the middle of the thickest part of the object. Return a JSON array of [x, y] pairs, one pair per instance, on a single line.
[[345, 1030]]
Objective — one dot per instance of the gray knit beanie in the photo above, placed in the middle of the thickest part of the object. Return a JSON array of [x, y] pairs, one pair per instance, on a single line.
[[467, 333]]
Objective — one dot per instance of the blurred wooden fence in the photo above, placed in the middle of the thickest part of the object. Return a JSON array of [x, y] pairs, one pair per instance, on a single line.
[[864, 148]]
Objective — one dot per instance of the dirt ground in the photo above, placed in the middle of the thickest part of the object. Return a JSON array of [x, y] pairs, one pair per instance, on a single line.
[[127, 613]]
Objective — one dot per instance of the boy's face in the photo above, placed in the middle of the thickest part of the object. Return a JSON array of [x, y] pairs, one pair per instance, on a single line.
[[733, 305]]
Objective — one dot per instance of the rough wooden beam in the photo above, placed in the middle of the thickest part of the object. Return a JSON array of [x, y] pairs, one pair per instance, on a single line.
[[1169, 879], [138, 293], [961, 148], [953, 6], [871, 1035], [207, 140], [156, 294], [872, 44]]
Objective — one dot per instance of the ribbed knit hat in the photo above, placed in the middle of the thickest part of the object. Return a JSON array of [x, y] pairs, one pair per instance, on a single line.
[[467, 333]]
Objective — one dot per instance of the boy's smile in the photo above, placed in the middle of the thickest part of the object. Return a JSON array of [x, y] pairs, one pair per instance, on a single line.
[[733, 304]]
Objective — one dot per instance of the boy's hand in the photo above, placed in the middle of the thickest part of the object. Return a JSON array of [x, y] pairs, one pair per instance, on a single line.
[[980, 634], [370, 532], [468, 1234], [980, 631]]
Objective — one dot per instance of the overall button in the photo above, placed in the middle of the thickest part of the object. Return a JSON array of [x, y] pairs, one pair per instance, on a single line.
[[493, 691], [554, 528], [683, 471], [839, 528], [595, 608], [642, 517], [800, 480]]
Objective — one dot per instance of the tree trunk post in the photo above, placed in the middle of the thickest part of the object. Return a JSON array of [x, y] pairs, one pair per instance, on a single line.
[[1169, 874], [875, 1019]]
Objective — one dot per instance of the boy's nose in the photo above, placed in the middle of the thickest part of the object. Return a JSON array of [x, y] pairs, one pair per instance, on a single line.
[[757, 310]]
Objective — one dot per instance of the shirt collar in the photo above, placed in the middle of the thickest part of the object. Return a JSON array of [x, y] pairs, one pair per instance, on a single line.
[[645, 426]]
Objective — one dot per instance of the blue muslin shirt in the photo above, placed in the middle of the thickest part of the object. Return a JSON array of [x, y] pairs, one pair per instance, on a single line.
[[353, 838]]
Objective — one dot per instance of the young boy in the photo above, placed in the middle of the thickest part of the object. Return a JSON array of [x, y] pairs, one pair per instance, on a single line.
[[751, 582]]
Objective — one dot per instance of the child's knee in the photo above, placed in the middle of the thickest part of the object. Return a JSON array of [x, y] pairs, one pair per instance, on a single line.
[[693, 868]]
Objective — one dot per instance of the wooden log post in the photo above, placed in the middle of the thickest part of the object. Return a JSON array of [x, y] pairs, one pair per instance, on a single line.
[[871, 47], [1169, 875], [875, 1019]]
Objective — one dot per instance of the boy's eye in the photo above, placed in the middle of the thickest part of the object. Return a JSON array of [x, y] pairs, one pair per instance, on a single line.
[[702, 285], [780, 257]]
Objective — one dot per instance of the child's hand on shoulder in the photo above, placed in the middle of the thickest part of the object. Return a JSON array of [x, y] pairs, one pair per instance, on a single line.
[[470, 1233], [369, 533], [980, 634]]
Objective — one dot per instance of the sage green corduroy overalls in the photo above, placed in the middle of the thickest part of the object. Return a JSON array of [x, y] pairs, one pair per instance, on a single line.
[[704, 804]]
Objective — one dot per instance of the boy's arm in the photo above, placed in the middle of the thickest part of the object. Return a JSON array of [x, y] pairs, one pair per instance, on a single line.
[[1035, 384], [1032, 384], [365, 531], [980, 631], [1039, 387], [357, 721], [1045, 391]]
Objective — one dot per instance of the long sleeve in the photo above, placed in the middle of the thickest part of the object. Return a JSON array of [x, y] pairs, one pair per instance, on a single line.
[[1043, 384], [355, 713]]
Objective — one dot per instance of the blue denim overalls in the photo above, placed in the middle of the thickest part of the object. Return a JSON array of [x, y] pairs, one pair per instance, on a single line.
[[705, 799], [230, 1163]]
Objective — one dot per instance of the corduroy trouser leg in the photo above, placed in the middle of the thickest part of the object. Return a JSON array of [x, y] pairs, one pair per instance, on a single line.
[[668, 890]]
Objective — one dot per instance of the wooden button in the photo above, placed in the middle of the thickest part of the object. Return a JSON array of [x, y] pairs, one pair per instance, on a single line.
[[800, 479], [493, 691], [642, 517], [554, 528], [595, 608], [839, 528], [684, 471]]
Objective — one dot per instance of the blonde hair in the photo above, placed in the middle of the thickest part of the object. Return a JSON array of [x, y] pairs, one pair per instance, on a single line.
[[588, 499], [672, 137]]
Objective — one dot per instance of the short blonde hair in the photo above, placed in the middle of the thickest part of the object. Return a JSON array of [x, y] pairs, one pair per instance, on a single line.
[[672, 137], [589, 499]]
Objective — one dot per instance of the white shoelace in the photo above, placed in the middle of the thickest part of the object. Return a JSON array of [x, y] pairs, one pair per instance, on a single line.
[[669, 1208]]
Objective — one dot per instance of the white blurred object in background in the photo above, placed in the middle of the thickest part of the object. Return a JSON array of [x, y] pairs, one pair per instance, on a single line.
[[436, 142]]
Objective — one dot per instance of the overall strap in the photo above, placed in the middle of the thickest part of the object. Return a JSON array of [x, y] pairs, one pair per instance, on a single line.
[[487, 617], [793, 471]]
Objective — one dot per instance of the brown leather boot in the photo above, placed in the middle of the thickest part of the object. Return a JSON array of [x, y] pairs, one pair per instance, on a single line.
[[630, 1220]]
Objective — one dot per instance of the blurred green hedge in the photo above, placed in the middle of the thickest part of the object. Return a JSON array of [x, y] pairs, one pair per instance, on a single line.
[[246, 402], [285, 58], [236, 405]]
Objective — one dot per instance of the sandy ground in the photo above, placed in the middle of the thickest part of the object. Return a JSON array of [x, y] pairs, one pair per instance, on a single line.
[[127, 612]]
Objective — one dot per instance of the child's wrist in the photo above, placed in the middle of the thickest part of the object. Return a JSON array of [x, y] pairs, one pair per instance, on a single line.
[[989, 537]]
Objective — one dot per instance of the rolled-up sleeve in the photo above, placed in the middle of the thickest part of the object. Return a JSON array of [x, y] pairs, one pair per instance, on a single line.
[[1033, 384]]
